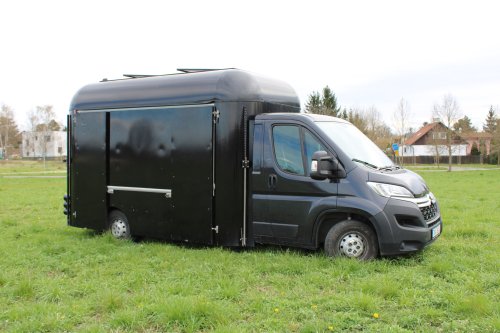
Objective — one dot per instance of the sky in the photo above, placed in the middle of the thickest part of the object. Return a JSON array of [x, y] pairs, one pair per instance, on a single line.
[[370, 53]]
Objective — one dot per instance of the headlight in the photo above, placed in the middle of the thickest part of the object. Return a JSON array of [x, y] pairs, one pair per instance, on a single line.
[[388, 190]]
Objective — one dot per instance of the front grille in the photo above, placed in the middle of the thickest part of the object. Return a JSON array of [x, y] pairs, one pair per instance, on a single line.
[[429, 212]]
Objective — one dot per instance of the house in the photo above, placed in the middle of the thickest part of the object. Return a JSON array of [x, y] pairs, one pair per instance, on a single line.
[[430, 140], [51, 144]]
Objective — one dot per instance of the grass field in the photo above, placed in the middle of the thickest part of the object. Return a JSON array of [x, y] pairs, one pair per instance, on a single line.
[[21, 167], [55, 278], [444, 167]]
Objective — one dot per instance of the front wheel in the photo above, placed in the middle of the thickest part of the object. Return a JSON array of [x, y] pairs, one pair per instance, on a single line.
[[118, 224], [351, 239]]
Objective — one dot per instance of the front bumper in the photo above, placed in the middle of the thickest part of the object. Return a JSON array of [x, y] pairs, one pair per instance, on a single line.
[[408, 225]]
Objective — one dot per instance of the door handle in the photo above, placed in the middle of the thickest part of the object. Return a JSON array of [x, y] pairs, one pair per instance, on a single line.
[[271, 181]]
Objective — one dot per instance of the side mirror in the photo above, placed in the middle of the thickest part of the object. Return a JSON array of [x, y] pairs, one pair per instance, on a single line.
[[324, 166]]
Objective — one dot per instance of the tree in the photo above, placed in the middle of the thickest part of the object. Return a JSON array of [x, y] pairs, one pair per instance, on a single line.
[[40, 121], [376, 129], [369, 121], [51, 126], [357, 118], [313, 104], [344, 115], [464, 125], [490, 124], [401, 120], [373, 120], [330, 102], [496, 141], [434, 149], [475, 150], [8, 130], [325, 103], [448, 111]]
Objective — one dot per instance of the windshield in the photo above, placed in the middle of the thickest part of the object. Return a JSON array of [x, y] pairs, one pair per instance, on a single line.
[[355, 144]]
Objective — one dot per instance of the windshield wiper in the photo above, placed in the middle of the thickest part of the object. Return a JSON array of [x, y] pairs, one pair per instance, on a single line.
[[390, 167], [365, 163]]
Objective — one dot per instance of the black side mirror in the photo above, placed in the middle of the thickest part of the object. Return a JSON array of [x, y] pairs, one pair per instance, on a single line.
[[324, 166]]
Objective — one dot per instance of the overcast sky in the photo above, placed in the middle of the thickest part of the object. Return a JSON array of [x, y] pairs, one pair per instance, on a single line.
[[371, 53]]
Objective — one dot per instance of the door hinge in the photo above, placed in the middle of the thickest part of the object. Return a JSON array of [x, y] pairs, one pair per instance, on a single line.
[[245, 164], [243, 238], [216, 229], [215, 116]]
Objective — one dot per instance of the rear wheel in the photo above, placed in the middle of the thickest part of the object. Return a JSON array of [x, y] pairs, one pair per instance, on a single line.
[[118, 224], [351, 239]]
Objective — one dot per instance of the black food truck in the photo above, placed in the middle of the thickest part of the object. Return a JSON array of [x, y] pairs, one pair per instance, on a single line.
[[225, 157]]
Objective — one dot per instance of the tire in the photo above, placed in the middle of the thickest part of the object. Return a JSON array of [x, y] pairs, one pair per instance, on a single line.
[[118, 225], [351, 239]]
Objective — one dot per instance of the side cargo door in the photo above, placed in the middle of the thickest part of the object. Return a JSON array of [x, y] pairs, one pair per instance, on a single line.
[[161, 171]]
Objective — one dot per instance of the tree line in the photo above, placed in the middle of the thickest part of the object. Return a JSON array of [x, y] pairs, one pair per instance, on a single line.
[[369, 121], [42, 119]]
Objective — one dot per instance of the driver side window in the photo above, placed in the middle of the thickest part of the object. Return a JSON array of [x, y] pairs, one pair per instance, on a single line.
[[287, 149], [311, 145], [293, 148]]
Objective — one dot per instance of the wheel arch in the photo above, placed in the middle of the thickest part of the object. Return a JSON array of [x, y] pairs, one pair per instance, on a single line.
[[112, 209], [120, 229], [327, 219]]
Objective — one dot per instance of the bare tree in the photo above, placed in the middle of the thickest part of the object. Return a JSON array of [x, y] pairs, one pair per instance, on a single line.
[[435, 149], [376, 129], [373, 121], [496, 141], [32, 120], [448, 111], [402, 120], [356, 116], [8, 129], [39, 120], [369, 121]]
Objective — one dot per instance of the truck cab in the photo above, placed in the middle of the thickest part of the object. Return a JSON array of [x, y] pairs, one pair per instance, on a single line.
[[318, 181]]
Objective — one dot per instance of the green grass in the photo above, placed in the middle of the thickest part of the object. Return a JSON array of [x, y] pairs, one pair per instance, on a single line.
[[444, 166], [54, 278], [22, 167]]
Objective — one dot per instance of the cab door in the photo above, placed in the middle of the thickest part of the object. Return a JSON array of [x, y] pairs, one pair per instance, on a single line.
[[284, 195]]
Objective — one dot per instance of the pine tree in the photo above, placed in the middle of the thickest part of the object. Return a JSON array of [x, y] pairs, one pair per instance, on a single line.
[[475, 149], [313, 104], [325, 103], [344, 115], [464, 125], [330, 102], [490, 125]]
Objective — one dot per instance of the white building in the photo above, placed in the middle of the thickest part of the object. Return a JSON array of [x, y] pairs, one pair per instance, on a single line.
[[53, 143], [432, 150]]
